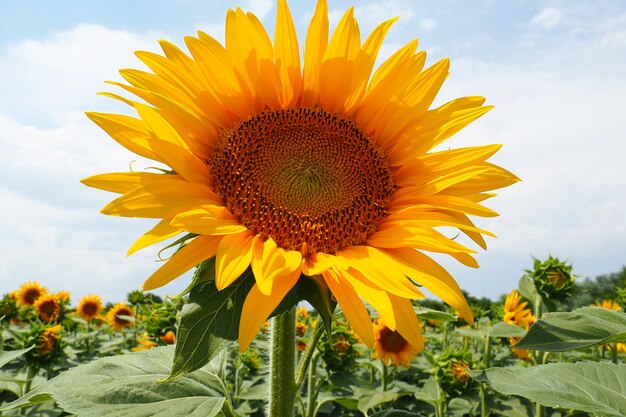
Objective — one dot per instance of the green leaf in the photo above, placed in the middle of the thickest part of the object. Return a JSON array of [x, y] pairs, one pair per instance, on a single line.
[[6, 357], [597, 388], [320, 298], [430, 392], [126, 386], [502, 329], [209, 321], [430, 314], [395, 413], [372, 399], [583, 327], [469, 332]]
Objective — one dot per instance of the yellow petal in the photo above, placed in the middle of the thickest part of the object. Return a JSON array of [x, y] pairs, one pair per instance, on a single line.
[[320, 262], [287, 56], [373, 295], [397, 234], [336, 69], [406, 321], [161, 199], [379, 269], [233, 258], [351, 305], [315, 48], [123, 182], [129, 132], [271, 263], [434, 278], [208, 220], [258, 306], [158, 233], [196, 251]]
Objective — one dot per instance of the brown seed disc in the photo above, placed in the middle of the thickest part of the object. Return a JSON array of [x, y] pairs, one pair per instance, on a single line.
[[307, 178]]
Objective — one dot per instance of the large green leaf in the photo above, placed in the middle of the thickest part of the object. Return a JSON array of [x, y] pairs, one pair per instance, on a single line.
[[502, 329], [425, 313], [598, 388], [583, 327], [6, 357], [126, 386], [209, 321]]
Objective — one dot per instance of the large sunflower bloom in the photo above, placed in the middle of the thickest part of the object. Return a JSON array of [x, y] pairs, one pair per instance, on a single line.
[[315, 167], [29, 292]]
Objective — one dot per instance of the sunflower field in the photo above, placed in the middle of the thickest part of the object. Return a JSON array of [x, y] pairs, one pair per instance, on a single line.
[[61, 357]]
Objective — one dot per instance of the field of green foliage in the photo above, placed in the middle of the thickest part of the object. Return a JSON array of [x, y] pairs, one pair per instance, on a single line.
[[61, 356]]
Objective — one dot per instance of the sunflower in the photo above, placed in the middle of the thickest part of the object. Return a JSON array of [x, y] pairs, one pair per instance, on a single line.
[[89, 307], [144, 343], [48, 307], [319, 166], [29, 292], [114, 320], [391, 345], [48, 341], [608, 304], [515, 311], [458, 370], [169, 338], [63, 296]]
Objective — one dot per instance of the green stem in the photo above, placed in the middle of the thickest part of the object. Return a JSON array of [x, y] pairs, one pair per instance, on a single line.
[[614, 352], [303, 366], [484, 412], [311, 393], [439, 409], [383, 379], [539, 359], [282, 365]]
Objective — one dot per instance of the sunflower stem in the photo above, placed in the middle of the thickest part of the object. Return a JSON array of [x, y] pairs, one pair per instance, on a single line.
[[303, 366], [282, 365]]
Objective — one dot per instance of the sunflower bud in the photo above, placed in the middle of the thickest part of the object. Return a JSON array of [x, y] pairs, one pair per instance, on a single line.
[[451, 372], [553, 279]]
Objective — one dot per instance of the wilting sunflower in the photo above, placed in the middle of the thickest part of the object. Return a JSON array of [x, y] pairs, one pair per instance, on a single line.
[[49, 308], [391, 345], [317, 166], [29, 292], [89, 307], [114, 320]]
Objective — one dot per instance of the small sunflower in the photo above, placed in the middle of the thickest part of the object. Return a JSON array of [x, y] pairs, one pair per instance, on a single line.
[[63, 296], [458, 370], [515, 311], [89, 307], [608, 304], [320, 166], [114, 320], [29, 292], [391, 345], [144, 343], [48, 341], [169, 338], [48, 308]]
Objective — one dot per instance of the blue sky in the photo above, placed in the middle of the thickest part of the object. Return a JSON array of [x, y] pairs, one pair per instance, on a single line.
[[553, 69]]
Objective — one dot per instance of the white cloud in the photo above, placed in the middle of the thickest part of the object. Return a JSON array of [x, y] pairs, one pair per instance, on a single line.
[[546, 18], [47, 79], [428, 23]]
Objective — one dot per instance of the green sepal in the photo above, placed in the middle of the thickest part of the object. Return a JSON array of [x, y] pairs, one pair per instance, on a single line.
[[320, 297]]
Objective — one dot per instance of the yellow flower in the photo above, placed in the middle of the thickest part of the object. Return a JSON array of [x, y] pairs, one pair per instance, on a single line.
[[48, 340], [29, 292], [300, 329], [317, 166], [302, 313], [63, 296], [609, 305], [48, 307], [144, 343], [89, 307], [391, 345], [114, 320], [458, 370], [515, 311], [169, 338]]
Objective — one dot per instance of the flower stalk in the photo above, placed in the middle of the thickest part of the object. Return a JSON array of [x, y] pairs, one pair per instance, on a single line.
[[282, 365]]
